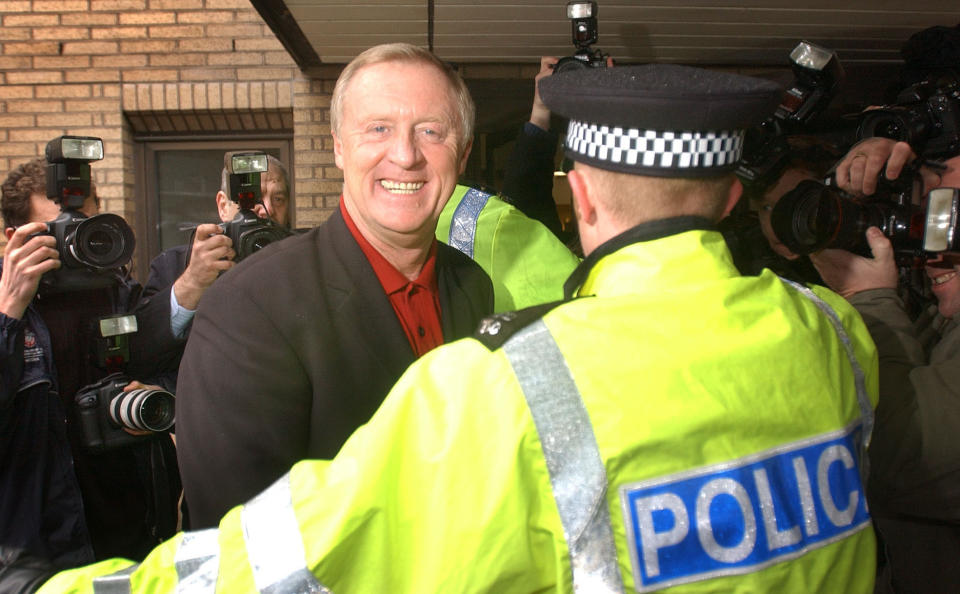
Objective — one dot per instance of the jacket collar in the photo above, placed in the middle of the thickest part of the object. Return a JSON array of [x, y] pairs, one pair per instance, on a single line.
[[648, 231]]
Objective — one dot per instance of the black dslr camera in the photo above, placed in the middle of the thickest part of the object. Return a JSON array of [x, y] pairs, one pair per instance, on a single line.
[[93, 248], [105, 410], [817, 76], [583, 18], [814, 216], [249, 232], [926, 116]]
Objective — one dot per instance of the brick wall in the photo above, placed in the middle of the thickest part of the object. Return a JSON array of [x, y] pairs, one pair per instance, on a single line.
[[85, 66]]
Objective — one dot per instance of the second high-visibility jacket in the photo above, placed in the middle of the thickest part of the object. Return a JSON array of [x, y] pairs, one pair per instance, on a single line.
[[524, 259], [679, 427]]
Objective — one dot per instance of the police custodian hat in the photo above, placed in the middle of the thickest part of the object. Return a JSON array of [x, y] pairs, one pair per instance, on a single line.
[[663, 120]]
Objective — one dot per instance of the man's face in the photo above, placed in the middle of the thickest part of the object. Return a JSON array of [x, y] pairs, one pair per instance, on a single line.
[[43, 209], [276, 199], [787, 182], [943, 273], [398, 147]]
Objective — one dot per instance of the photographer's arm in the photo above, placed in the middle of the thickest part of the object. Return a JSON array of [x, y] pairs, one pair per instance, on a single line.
[[25, 261], [913, 451], [528, 177], [211, 254]]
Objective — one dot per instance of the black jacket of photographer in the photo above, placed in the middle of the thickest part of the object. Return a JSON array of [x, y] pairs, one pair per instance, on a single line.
[[118, 506], [41, 510], [161, 357], [291, 351]]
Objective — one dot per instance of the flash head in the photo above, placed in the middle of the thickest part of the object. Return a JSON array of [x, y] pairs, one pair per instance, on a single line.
[[812, 57], [74, 148], [581, 10], [245, 162], [244, 169]]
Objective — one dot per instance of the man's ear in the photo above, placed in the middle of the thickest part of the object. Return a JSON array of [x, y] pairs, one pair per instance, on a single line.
[[584, 204], [222, 201], [337, 151], [733, 196], [8, 232], [464, 157]]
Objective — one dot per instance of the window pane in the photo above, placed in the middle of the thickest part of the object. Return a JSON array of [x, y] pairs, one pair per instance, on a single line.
[[187, 185]]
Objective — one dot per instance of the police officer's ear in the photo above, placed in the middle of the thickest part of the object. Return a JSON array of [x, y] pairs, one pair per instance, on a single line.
[[733, 196], [584, 203]]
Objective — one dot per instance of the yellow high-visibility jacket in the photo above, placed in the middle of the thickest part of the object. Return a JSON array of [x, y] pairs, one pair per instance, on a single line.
[[679, 427], [524, 259]]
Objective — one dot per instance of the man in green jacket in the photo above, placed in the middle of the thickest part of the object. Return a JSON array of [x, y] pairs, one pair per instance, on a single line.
[[524, 259]]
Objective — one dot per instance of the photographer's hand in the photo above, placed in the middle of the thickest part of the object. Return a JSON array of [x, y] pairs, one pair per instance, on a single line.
[[211, 254], [540, 114], [26, 260], [135, 385], [857, 172], [847, 273]]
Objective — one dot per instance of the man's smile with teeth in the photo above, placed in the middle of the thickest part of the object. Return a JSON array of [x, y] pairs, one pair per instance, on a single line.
[[939, 280], [401, 187]]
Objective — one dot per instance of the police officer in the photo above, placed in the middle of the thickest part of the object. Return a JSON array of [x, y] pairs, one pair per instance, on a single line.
[[671, 423], [524, 259]]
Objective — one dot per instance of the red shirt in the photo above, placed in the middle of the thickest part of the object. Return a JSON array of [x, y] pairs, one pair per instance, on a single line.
[[417, 302]]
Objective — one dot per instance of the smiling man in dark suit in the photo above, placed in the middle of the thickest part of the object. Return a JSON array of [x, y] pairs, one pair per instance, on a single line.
[[296, 346]]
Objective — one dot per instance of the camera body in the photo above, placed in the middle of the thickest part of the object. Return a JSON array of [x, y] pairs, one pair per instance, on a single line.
[[583, 20], [925, 115], [250, 233], [105, 410], [817, 76], [90, 248]]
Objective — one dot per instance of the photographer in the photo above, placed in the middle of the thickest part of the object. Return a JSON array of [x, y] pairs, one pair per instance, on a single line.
[[915, 456], [181, 275], [57, 498]]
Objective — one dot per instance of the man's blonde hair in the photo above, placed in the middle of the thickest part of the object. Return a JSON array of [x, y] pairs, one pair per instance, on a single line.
[[405, 52]]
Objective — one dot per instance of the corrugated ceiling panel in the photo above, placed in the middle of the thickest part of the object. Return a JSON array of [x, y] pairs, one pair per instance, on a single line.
[[757, 32]]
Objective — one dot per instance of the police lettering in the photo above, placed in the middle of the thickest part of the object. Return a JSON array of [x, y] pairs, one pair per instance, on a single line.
[[743, 515]]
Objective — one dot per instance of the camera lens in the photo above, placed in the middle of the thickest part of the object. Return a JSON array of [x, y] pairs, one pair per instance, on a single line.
[[257, 238], [813, 216], [102, 241], [144, 410]]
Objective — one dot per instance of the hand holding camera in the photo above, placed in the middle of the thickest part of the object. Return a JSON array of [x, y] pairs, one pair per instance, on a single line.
[[211, 254], [27, 259], [859, 170]]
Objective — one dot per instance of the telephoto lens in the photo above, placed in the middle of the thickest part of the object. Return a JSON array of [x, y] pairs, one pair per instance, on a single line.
[[143, 409]]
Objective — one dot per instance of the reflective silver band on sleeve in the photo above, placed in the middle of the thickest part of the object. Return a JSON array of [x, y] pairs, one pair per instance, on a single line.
[[863, 399], [197, 562], [463, 226], [577, 474], [115, 583], [274, 544]]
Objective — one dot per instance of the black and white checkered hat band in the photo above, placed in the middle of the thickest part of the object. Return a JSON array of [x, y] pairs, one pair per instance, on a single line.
[[651, 149]]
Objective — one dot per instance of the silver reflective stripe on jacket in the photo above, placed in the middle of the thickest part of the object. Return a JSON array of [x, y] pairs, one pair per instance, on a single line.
[[863, 399], [577, 474], [198, 562], [274, 544], [115, 583], [463, 226]]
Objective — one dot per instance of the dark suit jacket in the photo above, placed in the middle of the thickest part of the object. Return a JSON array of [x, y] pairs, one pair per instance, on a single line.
[[290, 352], [156, 352]]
